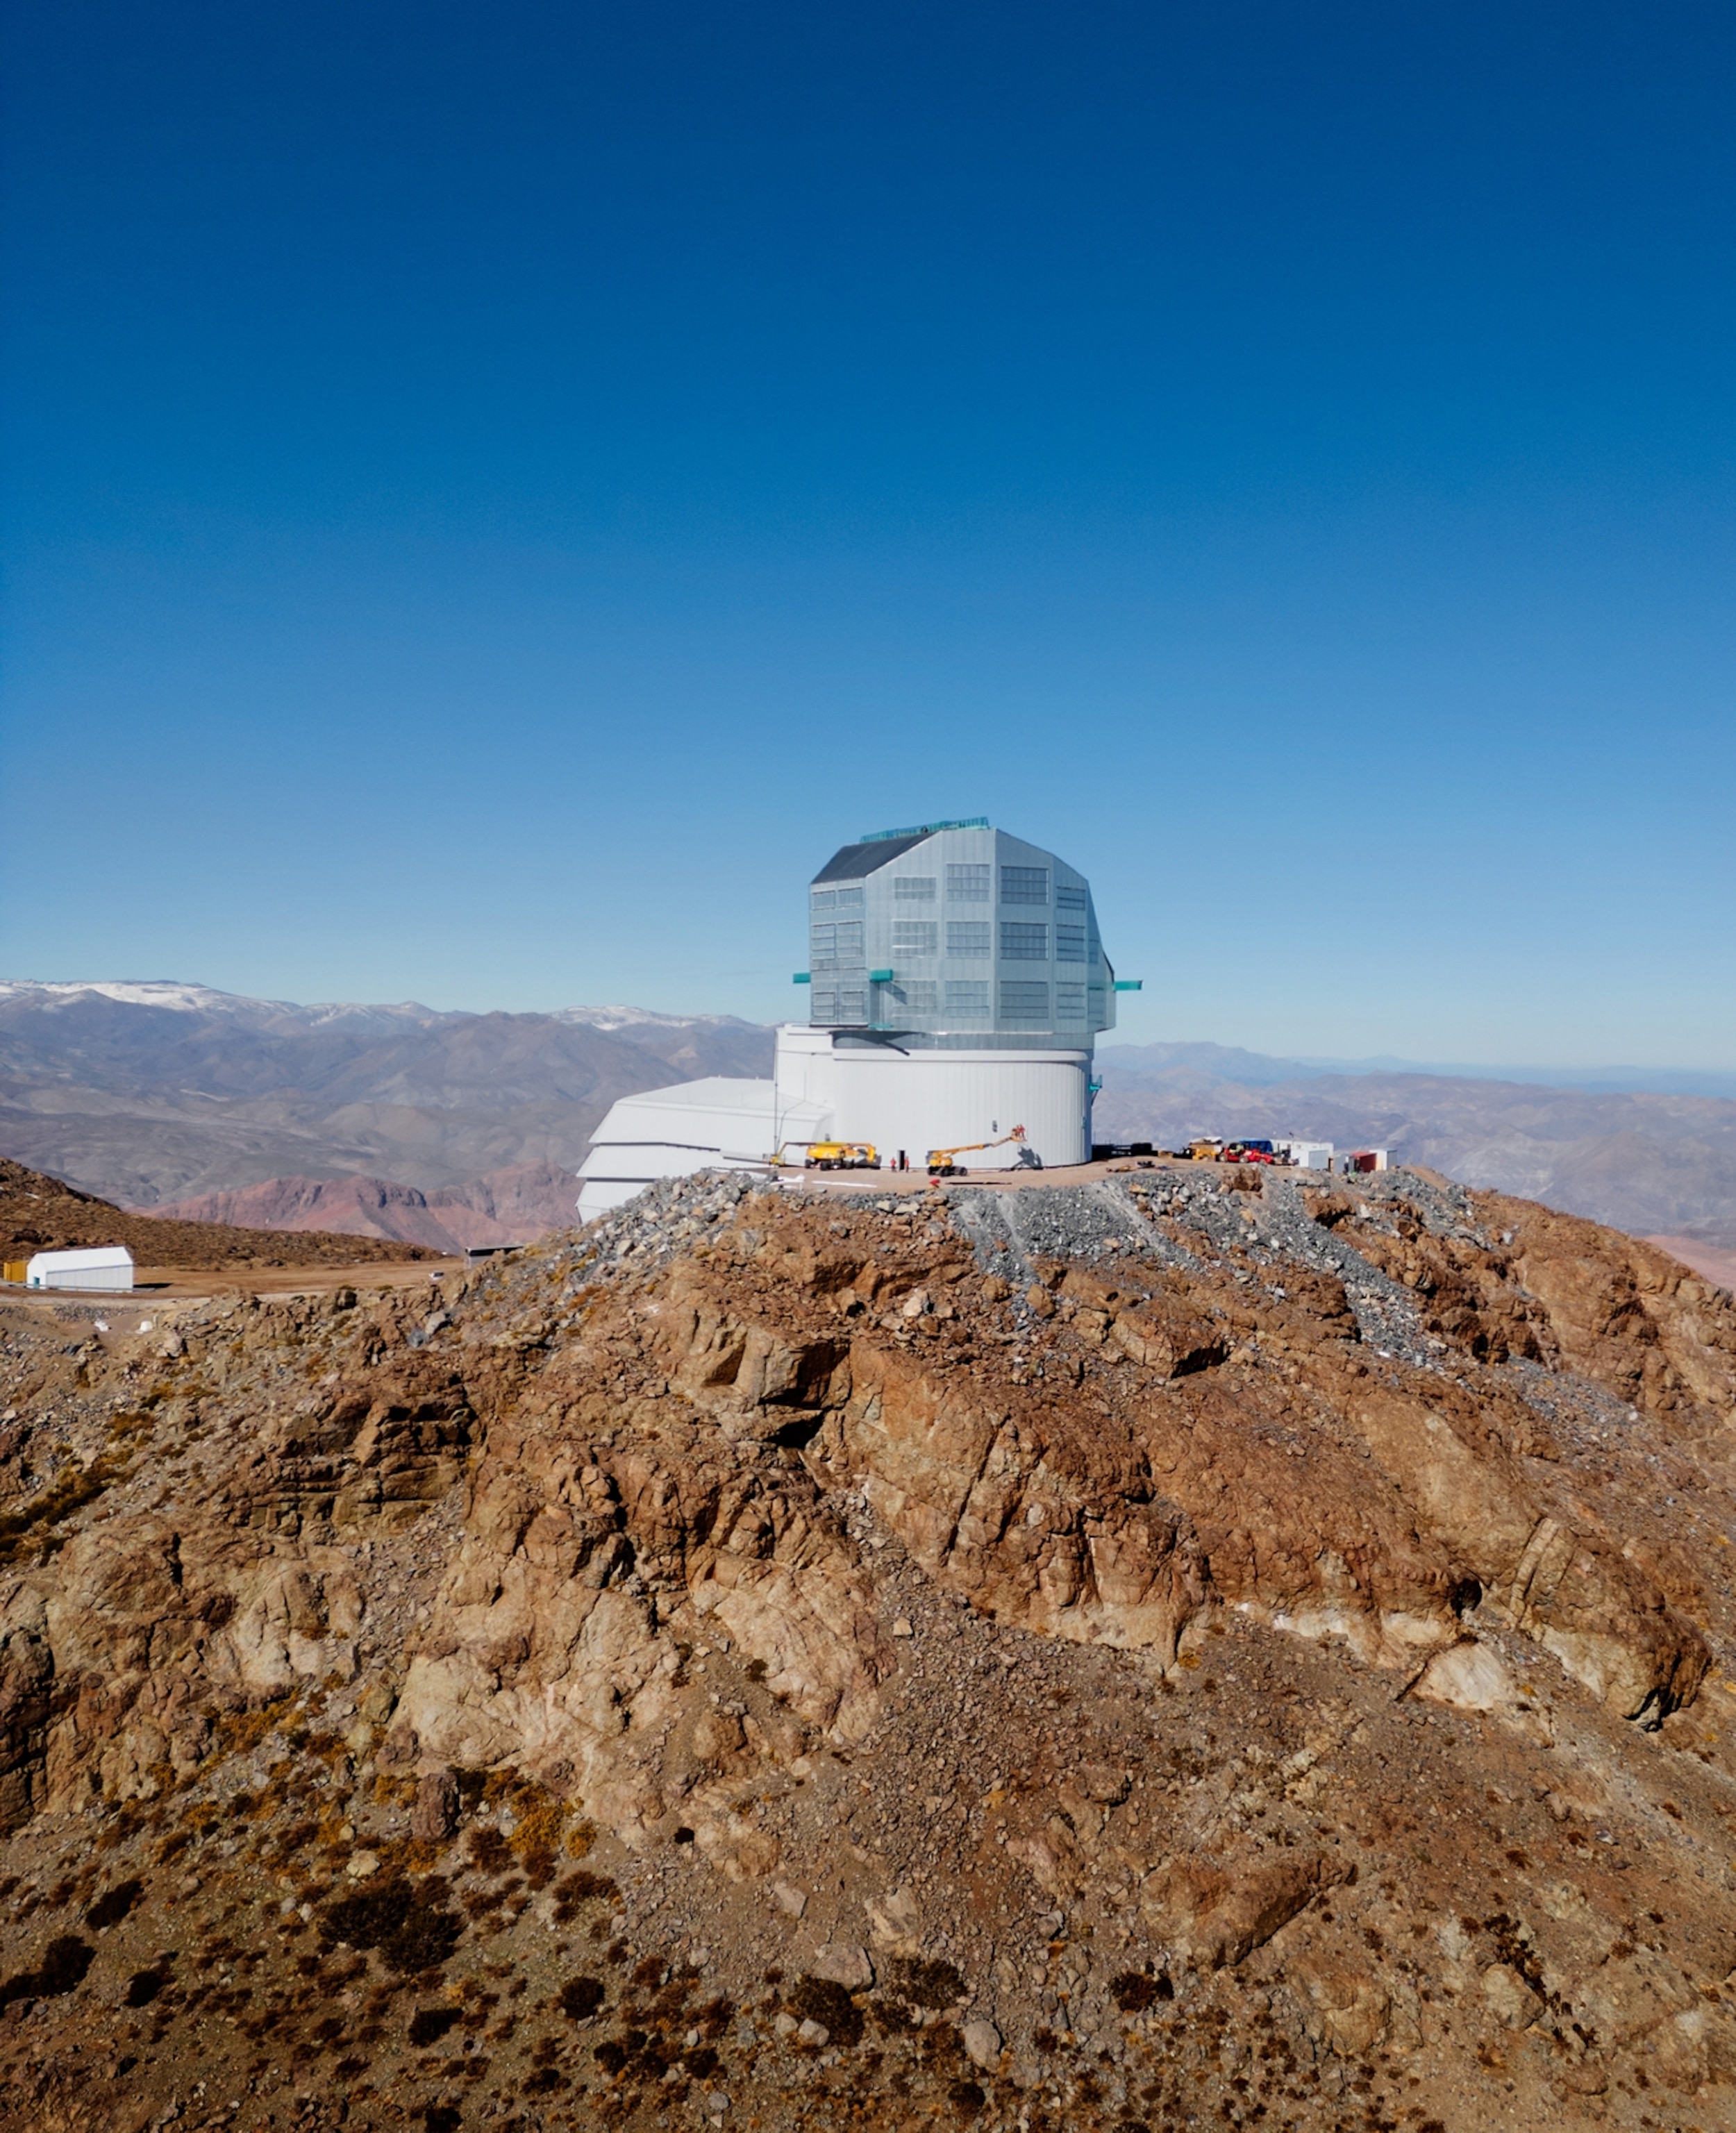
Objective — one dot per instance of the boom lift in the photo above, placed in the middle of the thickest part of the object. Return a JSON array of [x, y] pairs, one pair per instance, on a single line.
[[942, 1162]]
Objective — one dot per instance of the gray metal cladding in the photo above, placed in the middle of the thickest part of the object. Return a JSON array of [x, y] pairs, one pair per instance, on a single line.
[[989, 941]]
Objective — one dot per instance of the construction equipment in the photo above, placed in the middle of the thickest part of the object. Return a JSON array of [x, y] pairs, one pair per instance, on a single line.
[[826, 1155], [943, 1163], [1205, 1148], [843, 1155], [1250, 1151]]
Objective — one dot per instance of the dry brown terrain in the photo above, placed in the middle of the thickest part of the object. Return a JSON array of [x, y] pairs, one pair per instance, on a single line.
[[39, 1213], [1174, 1649], [512, 1206], [1710, 1261]]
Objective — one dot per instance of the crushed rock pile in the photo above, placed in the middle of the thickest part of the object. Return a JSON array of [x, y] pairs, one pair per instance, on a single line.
[[1182, 1648]]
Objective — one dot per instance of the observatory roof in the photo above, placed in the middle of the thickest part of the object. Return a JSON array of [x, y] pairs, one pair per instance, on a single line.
[[876, 848], [856, 860]]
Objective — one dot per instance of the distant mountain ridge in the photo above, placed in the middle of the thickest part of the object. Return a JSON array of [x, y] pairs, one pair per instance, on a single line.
[[149, 1092], [171, 996], [442, 1125], [1651, 1164], [1256, 1069]]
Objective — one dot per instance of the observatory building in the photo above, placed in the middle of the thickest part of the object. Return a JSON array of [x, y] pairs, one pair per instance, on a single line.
[[956, 983]]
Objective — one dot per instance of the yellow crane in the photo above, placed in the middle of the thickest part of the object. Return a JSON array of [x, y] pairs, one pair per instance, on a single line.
[[942, 1162]]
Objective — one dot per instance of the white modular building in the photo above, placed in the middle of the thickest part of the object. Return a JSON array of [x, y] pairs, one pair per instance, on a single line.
[[103, 1268], [956, 986], [1306, 1154]]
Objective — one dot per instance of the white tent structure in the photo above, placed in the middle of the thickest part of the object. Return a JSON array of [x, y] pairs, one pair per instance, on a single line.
[[719, 1123], [103, 1268]]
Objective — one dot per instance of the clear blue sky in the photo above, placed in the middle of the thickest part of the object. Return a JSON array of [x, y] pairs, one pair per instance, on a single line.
[[495, 494]]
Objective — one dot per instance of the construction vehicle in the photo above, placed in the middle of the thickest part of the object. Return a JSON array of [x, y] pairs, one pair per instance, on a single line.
[[843, 1155], [1250, 1151], [826, 1155], [942, 1162], [1203, 1147]]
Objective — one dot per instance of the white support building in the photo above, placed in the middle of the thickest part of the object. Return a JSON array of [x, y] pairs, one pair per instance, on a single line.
[[957, 984], [1306, 1154], [106, 1268], [720, 1123]]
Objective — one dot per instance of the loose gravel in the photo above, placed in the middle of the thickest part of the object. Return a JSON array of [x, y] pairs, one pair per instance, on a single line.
[[1143, 1214]]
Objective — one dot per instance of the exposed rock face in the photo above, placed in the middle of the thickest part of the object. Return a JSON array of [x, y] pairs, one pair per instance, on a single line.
[[1054, 1649]]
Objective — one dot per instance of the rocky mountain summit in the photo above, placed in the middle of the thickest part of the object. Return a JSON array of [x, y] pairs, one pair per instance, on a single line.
[[1182, 1649]]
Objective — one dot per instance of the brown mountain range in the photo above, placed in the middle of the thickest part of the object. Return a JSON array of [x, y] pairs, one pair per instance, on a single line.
[[1651, 1162], [510, 1205], [159, 1095], [39, 1213]]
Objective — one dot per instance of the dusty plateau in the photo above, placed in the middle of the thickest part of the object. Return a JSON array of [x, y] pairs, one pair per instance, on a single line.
[[1129, 1655]]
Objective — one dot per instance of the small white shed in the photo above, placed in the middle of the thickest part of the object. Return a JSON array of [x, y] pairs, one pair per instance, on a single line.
[[104, 1267], [1306, 1154]]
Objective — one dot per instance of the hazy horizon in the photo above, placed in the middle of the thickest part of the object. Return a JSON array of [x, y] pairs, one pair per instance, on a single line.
[[1682, 1081]]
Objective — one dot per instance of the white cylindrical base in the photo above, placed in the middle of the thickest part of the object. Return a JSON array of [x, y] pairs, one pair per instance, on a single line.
[[917, 1100]]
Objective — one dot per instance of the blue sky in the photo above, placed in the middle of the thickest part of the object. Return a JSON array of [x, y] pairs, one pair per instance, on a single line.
[[495, 495]]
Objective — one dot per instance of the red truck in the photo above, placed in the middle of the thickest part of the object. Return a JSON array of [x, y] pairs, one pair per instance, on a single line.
[[1250, 1151]]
